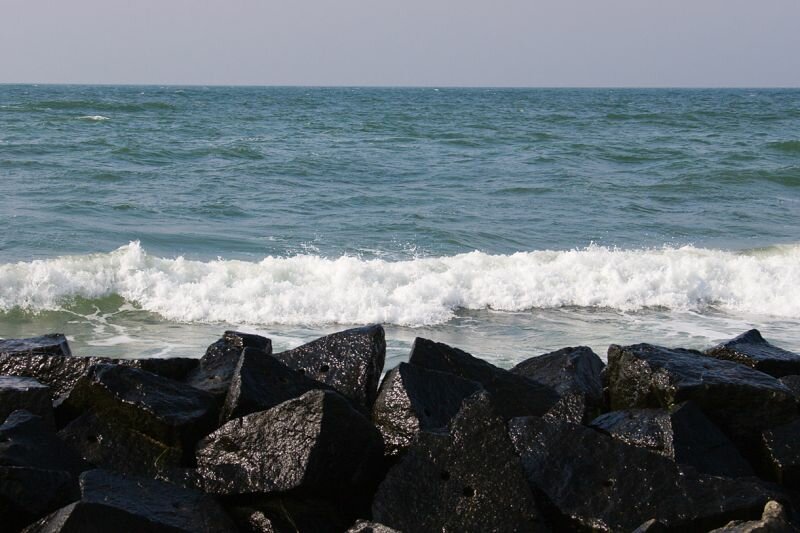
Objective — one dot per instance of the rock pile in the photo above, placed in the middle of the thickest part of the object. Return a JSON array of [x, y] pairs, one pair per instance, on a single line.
[[659, 439]]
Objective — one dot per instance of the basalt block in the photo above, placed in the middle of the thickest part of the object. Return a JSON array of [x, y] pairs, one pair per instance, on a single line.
[[216, 367], [774, 519], [782, 451], [290, 515], [26, 440], [413, 399], [512, 395], [350, 361], [52, 344], [752, 350], [467, 479], [740, 400], [315, 444], [589, 481], [364, 526], [684, 435], [113, 502], [260, 382], [18, 392], [168, 411], [575, 374]]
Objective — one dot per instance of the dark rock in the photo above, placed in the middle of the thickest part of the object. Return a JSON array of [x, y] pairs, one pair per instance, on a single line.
[[52, 344], [26, 440], [512, 395], [793, 384], [251, 520], [166, 410], [177, 368], [317, 443], [683, 435], [18, 392], [350, 361], [588, 480], [260, 382], [467, 480], [413, 398], [112, 502], [290, 515], [752, 350], [575, 374], [773, 520], [738, 399], [363, 526], [217, 365], [782, 450], [114, 446], [651, 526]]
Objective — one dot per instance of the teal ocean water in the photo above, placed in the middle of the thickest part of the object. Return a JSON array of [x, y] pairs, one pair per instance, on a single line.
[[146, 220]]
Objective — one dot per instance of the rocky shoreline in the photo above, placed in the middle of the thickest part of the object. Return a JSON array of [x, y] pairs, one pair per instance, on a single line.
[[311, 439]]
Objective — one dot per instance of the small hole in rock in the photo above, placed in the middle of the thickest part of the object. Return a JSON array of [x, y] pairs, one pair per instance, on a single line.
[[608, 483], [468, 492], [92, 439], [302, 371], [324, 368], [445, 475]]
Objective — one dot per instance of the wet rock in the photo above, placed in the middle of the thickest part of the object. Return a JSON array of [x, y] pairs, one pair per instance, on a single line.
[[317, 443], [168, 411], [588, 480], [738, 399], [216, 367], [575, 374], [25, 393], [251, 520], [684, 435], [113, 502], [512, 394], [782, 451], [466, 480], [113, 446], [363, 526], [26, 440], [651, 526], [177, 368], [412, 399], [793, 384], [350, 361], [290, 515], [773, 520], [52, 344], [752, 350], [259, 382]]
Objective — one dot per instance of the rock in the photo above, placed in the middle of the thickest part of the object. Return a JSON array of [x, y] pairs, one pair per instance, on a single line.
[[350, 361], [793, 384], [290, 515], [588, 480], [251, 520], [113, 446], [738, 399], [113, 502], [413, 398], [512, 394], [752, 350], [774, 520], [683, 435], [52, 344], [168, 411], [363, 526], [177, 368], [315, 444], [575, 374], [26, 440], [782, 451], [217, 365], [25, 393], [651, 526], [467, 480], [260, 382]]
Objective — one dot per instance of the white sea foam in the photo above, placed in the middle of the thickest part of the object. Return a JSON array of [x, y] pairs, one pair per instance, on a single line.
[[96, 118], [308, 289]]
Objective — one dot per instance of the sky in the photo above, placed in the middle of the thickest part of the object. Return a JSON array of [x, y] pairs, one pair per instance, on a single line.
[[521, 43]]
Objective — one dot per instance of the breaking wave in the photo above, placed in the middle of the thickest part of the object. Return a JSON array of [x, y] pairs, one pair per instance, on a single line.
[[309, 289]]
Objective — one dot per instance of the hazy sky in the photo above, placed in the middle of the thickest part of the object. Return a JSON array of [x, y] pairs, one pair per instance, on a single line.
[[403, 42]]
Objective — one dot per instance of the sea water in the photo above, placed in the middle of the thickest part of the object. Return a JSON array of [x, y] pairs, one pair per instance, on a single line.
[[144, 221]]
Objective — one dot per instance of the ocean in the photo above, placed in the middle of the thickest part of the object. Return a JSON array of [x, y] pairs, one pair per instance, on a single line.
[[145, 221]]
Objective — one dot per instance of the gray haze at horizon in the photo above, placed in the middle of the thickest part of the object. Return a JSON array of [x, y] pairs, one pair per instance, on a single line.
[[430, 43]]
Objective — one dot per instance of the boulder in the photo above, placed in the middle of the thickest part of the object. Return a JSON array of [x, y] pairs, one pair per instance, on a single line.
[[413, 399], [512, 395], [782, 453], [575, 374], [683, 434], [793, 384], [752, 350], [773, 520], [315, 444], [363, 526], [52, 344], [177, 368], [18, 392], [26, 440], [113, 502], [289, 515], [740, 400], [466, 480], [168, 411], [590, 481], [350, 361], [114, 446], [260, 382], [216, 367]]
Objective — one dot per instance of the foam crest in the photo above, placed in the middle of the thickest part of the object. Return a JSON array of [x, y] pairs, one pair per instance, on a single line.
[[308, 289]]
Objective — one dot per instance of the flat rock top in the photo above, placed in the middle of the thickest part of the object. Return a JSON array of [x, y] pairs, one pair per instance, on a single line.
[[51, 344]]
